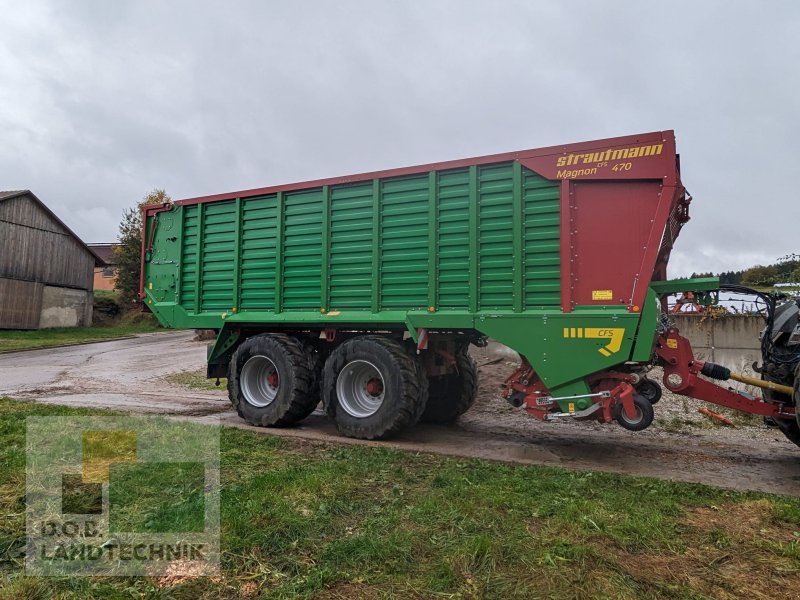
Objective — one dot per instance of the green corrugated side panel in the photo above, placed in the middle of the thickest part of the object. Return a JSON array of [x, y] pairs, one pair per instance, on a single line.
[[495, 237], [188, 267], [219, 235], [453, 239], [406, 249], [404, 252], [302, 250], [258, 259], [541, 241], [350, 267]]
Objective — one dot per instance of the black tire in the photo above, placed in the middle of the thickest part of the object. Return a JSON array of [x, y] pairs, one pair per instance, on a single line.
[[644, 414], [796, 398], [451, 395], [315, 363], [650, 390], [295, 395], [791, 429], [404, 387]]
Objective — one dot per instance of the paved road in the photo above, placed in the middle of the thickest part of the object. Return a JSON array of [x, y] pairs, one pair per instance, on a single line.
[[128, 375]]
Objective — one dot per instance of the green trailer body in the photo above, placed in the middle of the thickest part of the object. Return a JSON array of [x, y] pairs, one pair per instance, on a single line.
[[551, 252]]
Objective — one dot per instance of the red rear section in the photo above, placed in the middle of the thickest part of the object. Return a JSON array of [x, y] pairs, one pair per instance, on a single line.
[[619, 238], [622, 206], [610, 225]]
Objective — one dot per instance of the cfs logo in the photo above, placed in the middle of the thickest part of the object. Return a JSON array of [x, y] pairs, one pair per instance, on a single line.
[[613, 334]]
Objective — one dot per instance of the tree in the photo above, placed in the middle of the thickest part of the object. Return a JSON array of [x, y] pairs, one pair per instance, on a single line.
[[128, 251], [788, 268], [760, 275]]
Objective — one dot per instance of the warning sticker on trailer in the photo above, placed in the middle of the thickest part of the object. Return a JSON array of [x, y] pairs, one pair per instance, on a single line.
[[602, 295]]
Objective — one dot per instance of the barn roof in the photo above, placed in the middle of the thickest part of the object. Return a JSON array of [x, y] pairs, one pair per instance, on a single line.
[[7, 195], [105, 251]]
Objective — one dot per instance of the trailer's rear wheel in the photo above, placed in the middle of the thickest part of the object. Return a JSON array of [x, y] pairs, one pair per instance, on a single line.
[[271, 381], [450, 396], [373, 388], [644, 414]]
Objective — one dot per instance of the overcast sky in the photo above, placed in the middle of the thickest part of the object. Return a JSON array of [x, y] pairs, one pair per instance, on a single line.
[[100, 102]]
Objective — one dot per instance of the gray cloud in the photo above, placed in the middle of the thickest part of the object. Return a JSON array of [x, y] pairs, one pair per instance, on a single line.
[[102, 101]]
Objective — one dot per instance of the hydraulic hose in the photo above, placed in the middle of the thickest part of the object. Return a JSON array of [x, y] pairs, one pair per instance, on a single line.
[[719, 372]]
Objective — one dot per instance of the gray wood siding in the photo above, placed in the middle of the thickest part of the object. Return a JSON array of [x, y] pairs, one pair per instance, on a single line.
[[35, 247], [20, 304]]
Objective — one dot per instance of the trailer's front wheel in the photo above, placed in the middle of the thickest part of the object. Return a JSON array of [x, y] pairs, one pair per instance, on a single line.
[[271, 381], [644, 414], [373, 388]]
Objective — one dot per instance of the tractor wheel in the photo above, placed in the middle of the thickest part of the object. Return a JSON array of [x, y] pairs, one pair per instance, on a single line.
[[649, 389], [373, 388], [796, 397], [271, 381], [644, 414], [791, 429], [451, 395]]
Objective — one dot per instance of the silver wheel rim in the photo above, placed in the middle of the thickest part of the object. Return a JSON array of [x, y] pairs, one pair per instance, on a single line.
[[259, 381], [634, 421], [360, 389]]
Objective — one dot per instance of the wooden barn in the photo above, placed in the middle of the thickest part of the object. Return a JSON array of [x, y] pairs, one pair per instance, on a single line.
[[46, 271]]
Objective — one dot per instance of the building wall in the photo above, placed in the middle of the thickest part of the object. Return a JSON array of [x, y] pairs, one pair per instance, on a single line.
[[33, 305], [20, 304], [46, 273], [35, 247], [103, 281], [65, 307]]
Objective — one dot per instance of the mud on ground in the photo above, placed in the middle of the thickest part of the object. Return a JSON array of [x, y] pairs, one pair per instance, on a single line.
[[137, 376]]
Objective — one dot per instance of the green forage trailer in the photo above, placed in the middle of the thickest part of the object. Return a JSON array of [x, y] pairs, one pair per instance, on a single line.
[[365, 291]]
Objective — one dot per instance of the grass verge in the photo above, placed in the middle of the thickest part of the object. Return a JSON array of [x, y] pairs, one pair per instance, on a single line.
[[303, 520], [62, 336], [196, 380]]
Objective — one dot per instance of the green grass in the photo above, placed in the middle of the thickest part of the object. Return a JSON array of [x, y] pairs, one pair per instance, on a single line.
[[111, 294], [303, 520], [196, 380], [61, 336]]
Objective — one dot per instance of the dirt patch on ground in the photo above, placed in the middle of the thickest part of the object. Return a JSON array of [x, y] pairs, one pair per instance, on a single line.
[[713, 572], [348, 591], [736, 551], [745, 521]]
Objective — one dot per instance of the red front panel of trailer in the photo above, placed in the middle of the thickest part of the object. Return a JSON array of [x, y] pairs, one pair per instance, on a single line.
[[609, 227]]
